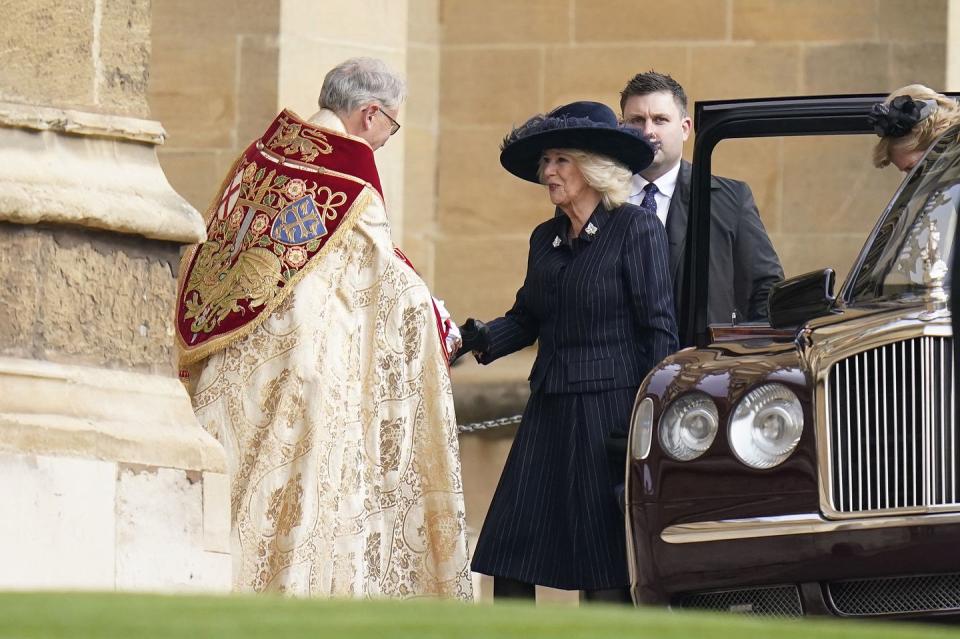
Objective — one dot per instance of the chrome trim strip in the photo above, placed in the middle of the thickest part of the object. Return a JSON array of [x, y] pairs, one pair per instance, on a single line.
[[628, 527], [802, 524], [896, 426]]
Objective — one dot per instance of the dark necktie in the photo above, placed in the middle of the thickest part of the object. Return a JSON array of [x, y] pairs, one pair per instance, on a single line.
[[649, 198]]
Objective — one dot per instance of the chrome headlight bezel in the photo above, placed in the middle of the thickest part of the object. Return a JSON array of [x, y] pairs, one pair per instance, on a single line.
[[766, 425], [689, 426], [641, 430]]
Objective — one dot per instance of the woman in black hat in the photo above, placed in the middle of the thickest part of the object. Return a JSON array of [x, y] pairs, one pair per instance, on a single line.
[[908, 122], [597, 296]]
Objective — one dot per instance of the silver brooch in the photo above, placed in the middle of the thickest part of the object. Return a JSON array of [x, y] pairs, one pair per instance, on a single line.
[[556, 241], [591, 229]]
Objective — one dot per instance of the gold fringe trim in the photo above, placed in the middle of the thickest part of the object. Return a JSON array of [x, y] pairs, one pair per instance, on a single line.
[[193, 355], [189, 254]]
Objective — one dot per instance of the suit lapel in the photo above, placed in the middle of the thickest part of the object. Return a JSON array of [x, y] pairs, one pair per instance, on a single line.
[[677, 219]]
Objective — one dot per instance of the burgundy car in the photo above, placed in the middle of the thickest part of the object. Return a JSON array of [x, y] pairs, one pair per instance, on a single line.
[[810, 465]]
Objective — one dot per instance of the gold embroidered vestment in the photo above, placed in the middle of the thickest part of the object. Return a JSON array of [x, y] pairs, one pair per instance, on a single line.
[[315, 359]]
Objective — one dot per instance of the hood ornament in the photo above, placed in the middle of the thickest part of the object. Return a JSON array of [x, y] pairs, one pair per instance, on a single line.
[[935, 269], [922, 257]]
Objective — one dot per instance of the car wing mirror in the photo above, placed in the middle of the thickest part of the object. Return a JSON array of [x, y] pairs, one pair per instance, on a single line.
[[798, 299]]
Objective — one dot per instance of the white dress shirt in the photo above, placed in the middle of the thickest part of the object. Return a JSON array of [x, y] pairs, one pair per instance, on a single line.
[[666, 184]]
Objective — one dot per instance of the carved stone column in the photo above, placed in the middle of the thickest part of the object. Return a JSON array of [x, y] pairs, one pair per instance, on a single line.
[[109, 481]]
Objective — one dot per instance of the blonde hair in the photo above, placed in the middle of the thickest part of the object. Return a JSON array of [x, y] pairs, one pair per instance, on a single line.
[[603, 174], [923, 134]]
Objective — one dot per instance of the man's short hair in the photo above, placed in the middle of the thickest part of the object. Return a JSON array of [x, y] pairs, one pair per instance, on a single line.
[[359, 81], [653, 82]]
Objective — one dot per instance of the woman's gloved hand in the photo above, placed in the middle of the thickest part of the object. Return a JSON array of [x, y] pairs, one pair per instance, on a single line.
[[475, 336]]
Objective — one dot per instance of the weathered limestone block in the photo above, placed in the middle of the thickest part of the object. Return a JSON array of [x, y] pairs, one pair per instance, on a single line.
[[87, 54], [99, 525], [775, 70], [112, 482], [161, 536], [46, 52], [847, 68], [917, 21], [97, 436], [87, 297], [806, 20], [493, 202], [632, 21], [470, 77], [504, 21], [56, 522], [598, 72], [124, 64], [58, 409], [97, 171]]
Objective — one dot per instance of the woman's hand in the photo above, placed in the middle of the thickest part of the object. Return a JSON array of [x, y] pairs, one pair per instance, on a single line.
[[475, 336]]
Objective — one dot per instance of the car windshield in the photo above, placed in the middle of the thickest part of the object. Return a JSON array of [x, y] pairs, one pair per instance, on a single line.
[[908, 253]]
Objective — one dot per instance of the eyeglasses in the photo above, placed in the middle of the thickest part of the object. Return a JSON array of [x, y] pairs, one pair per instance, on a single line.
[[394, 125]]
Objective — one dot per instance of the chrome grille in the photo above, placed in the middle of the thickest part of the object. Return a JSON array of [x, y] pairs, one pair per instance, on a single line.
[[894, 595], [775, 601], [891, 424]]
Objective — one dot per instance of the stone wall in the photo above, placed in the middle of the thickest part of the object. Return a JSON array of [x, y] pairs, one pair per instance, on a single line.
[[59, 279], [112, 483], [213, 84], [88, 55], [422, 131]]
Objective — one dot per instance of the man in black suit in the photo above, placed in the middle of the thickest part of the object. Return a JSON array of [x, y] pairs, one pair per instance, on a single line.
[[743, 263]]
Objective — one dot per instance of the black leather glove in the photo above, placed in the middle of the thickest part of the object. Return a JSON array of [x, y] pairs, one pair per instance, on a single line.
[[475, 336], [616, 446]]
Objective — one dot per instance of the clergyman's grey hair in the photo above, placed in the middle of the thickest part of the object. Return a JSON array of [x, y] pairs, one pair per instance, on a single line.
[[359, 81]]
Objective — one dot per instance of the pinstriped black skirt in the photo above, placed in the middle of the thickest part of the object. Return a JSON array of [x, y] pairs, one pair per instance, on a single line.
[[554, 519]]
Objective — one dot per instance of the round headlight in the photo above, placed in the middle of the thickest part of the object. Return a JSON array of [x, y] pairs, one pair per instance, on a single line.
[[688, 426], [766, 426], [642, 429]]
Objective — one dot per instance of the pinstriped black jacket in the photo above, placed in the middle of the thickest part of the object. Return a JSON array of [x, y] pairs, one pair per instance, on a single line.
[[601, 307]]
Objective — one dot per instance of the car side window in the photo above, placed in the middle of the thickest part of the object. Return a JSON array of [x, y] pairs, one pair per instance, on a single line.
[[909, 252]]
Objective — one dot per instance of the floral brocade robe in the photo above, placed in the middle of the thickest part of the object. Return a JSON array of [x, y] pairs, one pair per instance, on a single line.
[[336, 414]]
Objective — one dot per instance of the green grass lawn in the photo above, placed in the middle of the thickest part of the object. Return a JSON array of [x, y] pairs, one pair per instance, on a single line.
[[239, 617]]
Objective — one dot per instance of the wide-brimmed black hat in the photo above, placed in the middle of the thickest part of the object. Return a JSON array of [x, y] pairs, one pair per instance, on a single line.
[[588, 126]]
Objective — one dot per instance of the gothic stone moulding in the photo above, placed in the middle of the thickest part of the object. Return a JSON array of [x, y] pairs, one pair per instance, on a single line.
[[88, 169], [94, 413]]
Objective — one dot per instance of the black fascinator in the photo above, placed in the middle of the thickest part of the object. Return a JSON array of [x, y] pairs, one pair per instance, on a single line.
[[896, 119]]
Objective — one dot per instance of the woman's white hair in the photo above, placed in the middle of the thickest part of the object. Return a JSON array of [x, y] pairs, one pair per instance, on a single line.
[[609, 178], [359, 81]]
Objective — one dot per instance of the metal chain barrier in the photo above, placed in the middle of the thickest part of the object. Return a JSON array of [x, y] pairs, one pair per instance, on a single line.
[[476, 427]]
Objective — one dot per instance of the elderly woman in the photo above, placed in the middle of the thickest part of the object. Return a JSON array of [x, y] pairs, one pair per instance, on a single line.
[[597, 296], [908, 121]]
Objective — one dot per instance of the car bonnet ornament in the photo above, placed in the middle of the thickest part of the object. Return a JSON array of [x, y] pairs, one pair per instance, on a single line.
[[921, 259]]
